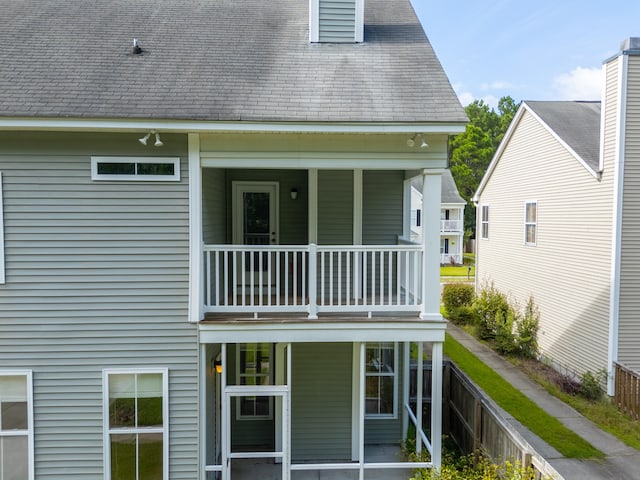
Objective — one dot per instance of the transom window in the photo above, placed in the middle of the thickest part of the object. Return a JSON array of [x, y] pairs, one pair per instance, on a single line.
[[530, 222], [381, 383], [155, 169], [136, 437], [255, 367], [16, 426], [484, 221]]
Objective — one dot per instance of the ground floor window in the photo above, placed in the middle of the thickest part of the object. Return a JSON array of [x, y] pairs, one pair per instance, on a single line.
[[255, 367], [16, 425], [381, 383], [136, 419]]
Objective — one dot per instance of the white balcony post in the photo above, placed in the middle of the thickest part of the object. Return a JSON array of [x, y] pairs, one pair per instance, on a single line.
[[431, 200], [436, 405], [313, 281]]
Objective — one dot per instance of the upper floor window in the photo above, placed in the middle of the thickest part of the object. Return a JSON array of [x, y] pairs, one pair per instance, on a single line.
[[136, 424], [255, 368], [484, 221], [381, 384], [530, 222], [16, 425], [151, 169]]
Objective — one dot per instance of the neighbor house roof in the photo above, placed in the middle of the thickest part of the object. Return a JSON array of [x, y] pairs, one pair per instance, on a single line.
[[575, 124], [449, 193], [216, 60]]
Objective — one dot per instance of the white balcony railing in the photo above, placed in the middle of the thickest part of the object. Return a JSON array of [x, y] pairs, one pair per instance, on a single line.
[[313, 279], [451, 225]]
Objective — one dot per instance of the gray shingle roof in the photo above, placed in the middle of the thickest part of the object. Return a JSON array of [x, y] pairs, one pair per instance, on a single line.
[[577, 123], [214, 60], [449, 193]]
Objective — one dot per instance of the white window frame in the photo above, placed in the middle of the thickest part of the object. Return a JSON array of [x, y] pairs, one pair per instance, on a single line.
[[2, 274], [484, 222], [29, 432], [175, 161], [239, 375], [394, 375], [135, 430], [528, 223]]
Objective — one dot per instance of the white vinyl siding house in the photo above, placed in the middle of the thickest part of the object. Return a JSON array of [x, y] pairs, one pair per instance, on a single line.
[[533, 168]]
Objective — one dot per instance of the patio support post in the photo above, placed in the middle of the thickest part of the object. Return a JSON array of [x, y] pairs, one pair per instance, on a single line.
[[225, 428], [363, 359], [436, 405], [419, 383], [313, 281], [431, 188], [406, 379]]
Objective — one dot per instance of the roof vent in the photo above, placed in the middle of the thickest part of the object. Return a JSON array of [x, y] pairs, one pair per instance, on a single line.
[[136, 49], [336, 21]]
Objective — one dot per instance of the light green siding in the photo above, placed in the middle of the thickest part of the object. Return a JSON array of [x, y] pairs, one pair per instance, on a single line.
[[629, 323], [382, 206], [568, 270], [97, 277], [214, 206], [321, 401], [335, 207]]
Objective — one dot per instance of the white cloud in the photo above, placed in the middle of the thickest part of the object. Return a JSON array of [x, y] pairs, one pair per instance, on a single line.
[[579, 84], [467, 97], [497, 85]]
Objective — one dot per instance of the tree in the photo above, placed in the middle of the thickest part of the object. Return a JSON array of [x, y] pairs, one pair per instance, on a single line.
[[472, 151]]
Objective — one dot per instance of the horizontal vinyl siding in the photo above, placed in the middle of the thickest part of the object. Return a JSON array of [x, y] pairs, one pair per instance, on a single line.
[[568, 271], [382, 207], [337, 20], [214, 206], [97, 277], [321, 401], [335, 207], [629, 315]]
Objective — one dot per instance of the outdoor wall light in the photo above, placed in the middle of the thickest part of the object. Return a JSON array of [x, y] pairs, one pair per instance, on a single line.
[[217, 364], [158, 142], [294, 193], [411, 141]]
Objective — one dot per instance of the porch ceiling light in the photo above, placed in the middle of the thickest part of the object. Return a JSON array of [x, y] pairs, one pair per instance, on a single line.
[[411, 141], [145, 139], [424, 143]]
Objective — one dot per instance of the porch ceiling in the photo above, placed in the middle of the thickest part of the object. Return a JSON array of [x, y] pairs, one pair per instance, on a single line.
[[232, 329]]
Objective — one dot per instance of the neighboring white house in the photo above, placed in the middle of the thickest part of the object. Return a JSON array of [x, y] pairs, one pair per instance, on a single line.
[[451, 219], [559, 217], [204, 252]]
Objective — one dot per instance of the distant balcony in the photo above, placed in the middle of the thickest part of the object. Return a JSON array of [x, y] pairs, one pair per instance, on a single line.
[[313, 279], [451, 225]]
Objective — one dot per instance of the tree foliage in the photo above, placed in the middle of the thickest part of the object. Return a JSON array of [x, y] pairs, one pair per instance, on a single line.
[[472, 151]]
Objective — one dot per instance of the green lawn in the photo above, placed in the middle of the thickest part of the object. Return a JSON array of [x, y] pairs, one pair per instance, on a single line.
[[458, 271], [549, 428]]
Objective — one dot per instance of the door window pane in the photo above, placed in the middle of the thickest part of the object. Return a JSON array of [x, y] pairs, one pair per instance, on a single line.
[[14, 426], [380, 381], [15, 460]]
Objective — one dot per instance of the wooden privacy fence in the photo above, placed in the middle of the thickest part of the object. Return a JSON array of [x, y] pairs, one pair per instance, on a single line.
[[627, 391], [474, 423]]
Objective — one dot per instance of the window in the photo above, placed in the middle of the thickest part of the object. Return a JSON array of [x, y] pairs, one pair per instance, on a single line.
[[153, 169], [136, 419], [255, 368], [381, 381], [2, 279], [16, 425], [484, 221], [530, 222]]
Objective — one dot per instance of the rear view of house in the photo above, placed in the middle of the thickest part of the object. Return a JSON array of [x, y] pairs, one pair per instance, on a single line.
[[557, 218], [204, 237]]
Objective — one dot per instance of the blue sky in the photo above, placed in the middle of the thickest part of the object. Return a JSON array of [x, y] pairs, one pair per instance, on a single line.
[[529, 50]]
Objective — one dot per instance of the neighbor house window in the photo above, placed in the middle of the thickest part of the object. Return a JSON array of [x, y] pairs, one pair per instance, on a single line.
[[484, 221], [154, 169], [530, 222], [255, 367], [381, 384], [16, 425], [136, 420], [2, 279]]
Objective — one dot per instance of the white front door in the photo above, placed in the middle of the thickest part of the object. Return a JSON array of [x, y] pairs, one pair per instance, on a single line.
[[255, 213]]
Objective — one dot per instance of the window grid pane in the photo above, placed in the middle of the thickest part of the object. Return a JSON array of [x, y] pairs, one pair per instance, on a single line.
[[380, 381], [254, 368], [14, 426]]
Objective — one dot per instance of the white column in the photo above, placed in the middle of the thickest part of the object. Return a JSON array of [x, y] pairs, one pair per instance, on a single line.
[[363, 359], [312, 186], [196, 285], [406, 209], [436, 405], [225, 429], [406, 380], [419, 383], [431, 200], [355, 403], [357, 206]]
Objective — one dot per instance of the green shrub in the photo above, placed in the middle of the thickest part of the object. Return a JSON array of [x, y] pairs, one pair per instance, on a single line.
[[591, 386], [527, 331], [457, 295], [487, 305], [505, 341]]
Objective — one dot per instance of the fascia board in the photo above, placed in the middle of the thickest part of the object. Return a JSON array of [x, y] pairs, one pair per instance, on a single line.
[[178, 126]]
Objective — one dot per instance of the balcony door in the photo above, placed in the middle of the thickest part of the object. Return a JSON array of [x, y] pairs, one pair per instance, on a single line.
[[255, 222]]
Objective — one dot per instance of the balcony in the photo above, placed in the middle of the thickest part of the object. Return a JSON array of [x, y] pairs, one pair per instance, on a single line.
[[451, 226], [313, 279]]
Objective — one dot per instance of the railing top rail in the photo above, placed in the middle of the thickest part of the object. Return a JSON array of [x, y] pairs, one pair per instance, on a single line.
[[321, 248], [249, 248], [627, 369]]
